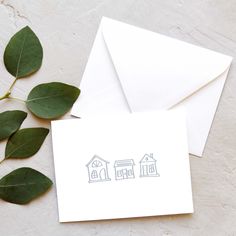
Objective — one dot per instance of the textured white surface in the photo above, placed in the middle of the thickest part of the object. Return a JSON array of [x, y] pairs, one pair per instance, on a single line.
[[67, 30]]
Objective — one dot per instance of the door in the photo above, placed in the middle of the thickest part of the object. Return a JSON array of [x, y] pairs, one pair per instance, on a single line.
[[145, 170], [125, 173], [102, 174]]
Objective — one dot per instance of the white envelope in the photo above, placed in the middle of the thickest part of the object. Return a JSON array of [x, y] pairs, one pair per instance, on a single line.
[[135, 70]]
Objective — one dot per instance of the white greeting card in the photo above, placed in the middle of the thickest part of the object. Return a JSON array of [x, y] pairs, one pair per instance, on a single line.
[[122, 166]]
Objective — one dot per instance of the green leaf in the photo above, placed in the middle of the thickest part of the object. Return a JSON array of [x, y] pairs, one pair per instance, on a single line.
[[23, 54], [52, 100], [10, 122], [25, 143], [23, 185]]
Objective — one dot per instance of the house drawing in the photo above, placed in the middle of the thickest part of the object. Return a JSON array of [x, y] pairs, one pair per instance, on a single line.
[[124, 169], [148, 166], [97, 170]]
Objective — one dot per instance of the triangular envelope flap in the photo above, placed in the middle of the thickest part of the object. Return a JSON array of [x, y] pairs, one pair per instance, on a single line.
[[156, 71]]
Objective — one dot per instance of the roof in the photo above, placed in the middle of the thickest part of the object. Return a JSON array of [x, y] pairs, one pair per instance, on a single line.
[[148, 158], [126, 162], [96, 157]]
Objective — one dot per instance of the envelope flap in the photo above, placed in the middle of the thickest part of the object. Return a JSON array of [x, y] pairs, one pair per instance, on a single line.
[[155, 71]]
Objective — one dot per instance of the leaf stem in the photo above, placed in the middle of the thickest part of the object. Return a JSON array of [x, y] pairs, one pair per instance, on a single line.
[[12, 85], [2, 160], [17, 99]]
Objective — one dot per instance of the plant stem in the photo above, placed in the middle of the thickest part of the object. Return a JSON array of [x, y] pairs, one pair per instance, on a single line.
[[2, 160], [8, 93]]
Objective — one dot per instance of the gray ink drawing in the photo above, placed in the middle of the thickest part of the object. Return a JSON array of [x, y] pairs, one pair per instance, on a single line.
[[124, 169], [148, 166], [97, 170]]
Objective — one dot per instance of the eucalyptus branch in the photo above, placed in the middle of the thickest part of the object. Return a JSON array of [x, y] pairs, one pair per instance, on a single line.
[[24, 143]]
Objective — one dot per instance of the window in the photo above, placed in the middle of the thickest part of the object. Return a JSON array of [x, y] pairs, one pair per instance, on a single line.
[[96, 163], [152, 168], [130, 172], [94, 174], [119, 173]]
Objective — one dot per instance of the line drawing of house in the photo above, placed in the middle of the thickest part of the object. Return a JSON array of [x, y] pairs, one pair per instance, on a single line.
[[97, 170], [148, 166], [124, 169]]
